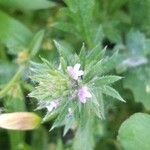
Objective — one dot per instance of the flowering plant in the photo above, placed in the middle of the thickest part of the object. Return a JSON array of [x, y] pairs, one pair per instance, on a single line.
[[65, 91], [74, 87]]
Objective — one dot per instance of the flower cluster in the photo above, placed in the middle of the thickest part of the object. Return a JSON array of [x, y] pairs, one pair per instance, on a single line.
[[83, 91], [64, 90], [75, 73]]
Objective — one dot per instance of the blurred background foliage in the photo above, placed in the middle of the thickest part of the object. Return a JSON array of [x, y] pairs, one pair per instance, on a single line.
[[27, 31]]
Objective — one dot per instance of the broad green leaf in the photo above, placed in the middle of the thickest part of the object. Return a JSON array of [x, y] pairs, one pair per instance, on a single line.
[[134, 133], [27, 4], [14, 35], [61, 117], [35, 43], [111, 92], [19, 121], [138, 81]]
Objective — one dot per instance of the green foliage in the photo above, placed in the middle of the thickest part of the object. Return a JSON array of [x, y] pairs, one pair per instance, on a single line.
[[56, 86], [40, 56], [138, 81], [80, 13], [133, 131], [27, 5], [13, 34]]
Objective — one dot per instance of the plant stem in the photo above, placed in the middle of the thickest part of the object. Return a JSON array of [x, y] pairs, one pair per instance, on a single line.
[[11, 82]]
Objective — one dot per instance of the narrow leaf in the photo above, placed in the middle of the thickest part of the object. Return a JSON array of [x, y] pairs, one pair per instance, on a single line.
[[36, 43], [105, 80], [111, 92]]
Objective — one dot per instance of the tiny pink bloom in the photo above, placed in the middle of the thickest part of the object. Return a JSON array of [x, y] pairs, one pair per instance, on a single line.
[[83, 94], [74, 72], [52, 105]]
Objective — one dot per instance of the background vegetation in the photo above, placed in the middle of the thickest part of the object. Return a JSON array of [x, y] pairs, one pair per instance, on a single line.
[[27, 31]]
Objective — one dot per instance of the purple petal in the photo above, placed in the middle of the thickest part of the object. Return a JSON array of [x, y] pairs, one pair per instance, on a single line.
[[74, 72], [70, 70], [83, 93]]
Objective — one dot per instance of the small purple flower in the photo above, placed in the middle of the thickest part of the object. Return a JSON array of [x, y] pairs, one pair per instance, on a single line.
[[83, 94], [74, 72], [53, 105]]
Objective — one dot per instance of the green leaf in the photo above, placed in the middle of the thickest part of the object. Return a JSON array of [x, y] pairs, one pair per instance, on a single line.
[[84, 136], [13, 34], [27, 4], [134, 133], [99, 35], [111, 31], [63, 51], [83, 14], [35, 43], [101, 67], [111, 92], [96, 104], [105, 80], [137, 81], [66, 27], [82, 55], [95, 54], [63, 64], [68, 124]]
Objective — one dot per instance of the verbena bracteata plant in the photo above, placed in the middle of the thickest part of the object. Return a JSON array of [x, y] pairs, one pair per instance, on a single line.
[[72, 91]]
